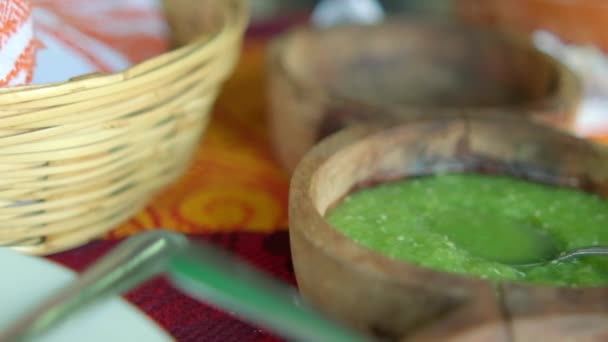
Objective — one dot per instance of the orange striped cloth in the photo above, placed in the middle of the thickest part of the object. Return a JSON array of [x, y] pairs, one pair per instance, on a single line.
[[85, 36], [17, 43], [47, 41]]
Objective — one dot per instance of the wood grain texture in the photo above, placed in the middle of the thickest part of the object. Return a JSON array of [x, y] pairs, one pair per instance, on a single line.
[[398, 300]]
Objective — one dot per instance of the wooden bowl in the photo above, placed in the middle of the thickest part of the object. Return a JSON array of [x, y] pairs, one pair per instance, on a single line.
[[397, 300], [323, 80]]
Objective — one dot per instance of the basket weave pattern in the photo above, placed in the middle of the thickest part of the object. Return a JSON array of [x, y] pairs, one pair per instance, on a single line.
[[80, 157]]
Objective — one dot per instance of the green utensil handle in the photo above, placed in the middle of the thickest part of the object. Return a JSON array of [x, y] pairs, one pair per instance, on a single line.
[[218, 279]]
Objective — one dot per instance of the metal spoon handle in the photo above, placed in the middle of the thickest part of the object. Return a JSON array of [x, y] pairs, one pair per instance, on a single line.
[[221, 280], [130, 263], [584, 251]]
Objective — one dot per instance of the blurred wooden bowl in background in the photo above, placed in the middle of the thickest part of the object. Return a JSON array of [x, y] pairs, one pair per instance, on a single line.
[[323, 80]]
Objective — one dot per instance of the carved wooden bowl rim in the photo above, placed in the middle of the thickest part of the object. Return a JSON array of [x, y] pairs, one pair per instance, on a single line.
[[305, 216], [564, 96]]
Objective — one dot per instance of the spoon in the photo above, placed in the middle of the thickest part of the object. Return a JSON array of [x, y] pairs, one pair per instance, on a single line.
[[540, 248], [598, 250], [534, 246], [201, 270], [217, 278], [135, 260]]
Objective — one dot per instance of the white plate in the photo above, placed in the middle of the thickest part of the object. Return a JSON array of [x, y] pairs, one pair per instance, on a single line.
[[25, 281]]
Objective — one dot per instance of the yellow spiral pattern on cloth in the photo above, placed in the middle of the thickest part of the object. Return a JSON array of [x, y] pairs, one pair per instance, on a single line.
[[234, 184], [229, 207]]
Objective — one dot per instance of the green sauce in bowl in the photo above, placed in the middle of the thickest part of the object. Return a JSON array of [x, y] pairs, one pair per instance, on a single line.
[[481, 226]]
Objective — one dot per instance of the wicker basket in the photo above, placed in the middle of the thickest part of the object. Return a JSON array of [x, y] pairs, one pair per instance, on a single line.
[[80, 157]]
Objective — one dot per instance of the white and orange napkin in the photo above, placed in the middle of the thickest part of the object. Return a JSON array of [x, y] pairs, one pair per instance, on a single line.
[[17, 43], [47, 41], [84, 36]]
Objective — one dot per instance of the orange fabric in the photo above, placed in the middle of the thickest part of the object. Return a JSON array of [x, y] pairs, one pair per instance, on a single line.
[[118, 26], [17, 44], [110, 35], [234, 183]]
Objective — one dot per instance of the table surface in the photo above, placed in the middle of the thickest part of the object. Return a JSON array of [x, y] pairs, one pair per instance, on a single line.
[[235, 195]]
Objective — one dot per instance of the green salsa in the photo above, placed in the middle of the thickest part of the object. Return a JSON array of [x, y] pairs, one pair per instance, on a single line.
[[480, 225]]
